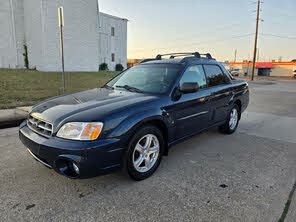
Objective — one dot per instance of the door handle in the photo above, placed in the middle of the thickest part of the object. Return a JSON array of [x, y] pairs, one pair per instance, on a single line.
[[206, 98], [203, 99]]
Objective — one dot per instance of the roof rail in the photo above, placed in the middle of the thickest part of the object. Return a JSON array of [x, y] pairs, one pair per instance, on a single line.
[[147, 60], [179, 54]]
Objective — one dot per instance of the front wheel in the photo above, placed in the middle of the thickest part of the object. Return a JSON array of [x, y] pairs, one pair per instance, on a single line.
[[144, 153], [232, 121]]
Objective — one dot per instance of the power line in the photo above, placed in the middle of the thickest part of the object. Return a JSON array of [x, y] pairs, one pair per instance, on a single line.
[[221, 40], [278, 36], [205, 42], [184, 38]]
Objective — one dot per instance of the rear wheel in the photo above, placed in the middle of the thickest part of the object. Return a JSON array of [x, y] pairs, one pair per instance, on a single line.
[[144, 153], [232, 121]]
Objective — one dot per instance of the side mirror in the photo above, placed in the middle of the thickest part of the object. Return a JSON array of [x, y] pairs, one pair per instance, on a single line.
[[189, 87]]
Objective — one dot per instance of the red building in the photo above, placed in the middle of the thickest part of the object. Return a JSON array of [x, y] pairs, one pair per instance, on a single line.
[[265, 68]]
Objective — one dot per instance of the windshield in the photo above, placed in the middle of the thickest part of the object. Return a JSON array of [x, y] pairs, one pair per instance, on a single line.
[[147, 78]]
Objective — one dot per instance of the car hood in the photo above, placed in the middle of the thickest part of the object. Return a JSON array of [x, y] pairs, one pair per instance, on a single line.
[[90, 105]]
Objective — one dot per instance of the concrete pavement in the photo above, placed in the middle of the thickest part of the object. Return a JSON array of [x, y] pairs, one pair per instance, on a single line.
[[247, 176]]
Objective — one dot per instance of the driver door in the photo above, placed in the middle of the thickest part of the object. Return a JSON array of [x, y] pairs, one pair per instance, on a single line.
[[191, 111]]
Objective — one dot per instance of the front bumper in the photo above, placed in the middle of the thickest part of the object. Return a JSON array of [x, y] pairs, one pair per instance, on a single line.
[[92, 157]]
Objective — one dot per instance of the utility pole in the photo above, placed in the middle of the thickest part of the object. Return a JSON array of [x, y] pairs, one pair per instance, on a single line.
[[256, 36], [61, 25], [235, 52]]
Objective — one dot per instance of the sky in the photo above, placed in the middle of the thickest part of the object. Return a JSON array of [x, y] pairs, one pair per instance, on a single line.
[[215, 26]]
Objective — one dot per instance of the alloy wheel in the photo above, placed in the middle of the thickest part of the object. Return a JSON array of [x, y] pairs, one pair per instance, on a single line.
[[233, 118], [146, 153]]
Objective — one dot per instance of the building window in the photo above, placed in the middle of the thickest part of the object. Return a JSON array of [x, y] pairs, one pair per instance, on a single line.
[[113, 57], [112, 31]]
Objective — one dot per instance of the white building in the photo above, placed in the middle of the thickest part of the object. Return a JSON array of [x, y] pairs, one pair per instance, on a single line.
[[113, 40], [90, 37]]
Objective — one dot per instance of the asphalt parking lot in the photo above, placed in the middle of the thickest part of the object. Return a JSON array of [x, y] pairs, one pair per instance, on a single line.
[[247, 176]]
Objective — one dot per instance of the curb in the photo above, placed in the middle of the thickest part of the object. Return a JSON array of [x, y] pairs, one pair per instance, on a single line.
[[13, 117], [262, 82]]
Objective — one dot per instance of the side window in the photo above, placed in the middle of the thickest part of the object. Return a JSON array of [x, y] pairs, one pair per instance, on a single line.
[[215, 75], [195, 74]]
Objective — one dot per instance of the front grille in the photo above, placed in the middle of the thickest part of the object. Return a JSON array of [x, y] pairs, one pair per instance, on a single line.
[[40, 126]]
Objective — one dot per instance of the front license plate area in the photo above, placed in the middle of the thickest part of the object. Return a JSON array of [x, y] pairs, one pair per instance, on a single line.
[[34, 147]]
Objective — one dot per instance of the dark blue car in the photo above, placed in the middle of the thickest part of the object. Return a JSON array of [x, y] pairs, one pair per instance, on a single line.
[[135, 118]]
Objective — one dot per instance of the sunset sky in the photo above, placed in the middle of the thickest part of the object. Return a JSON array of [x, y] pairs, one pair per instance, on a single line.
[[218, 27]]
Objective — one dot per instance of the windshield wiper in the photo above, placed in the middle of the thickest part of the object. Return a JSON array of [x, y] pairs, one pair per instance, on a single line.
[[130, 88]]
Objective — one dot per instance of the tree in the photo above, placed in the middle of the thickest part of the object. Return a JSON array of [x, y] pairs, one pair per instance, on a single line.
[[103, 67]]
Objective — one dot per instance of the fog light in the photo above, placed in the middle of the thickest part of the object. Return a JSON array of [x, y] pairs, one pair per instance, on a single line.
[[76, 168]]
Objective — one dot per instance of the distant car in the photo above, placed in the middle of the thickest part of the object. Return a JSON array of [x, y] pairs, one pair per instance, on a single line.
[[133, 120], [294, 74], [234, 73]]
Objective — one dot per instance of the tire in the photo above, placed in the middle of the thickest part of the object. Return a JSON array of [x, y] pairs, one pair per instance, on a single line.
[[232, 121], [139, 147]]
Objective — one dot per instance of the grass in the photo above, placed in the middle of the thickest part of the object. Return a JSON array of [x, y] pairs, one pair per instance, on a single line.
[[27, 87]]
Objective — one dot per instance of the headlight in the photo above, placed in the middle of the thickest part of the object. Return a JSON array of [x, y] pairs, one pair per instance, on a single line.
[[80, 131]]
